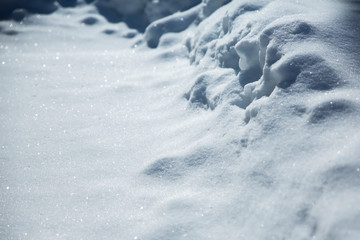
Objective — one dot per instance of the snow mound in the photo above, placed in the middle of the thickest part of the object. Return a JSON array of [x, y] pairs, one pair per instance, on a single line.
[[229, 120], [265, 53], [180, 21], [277, 77]]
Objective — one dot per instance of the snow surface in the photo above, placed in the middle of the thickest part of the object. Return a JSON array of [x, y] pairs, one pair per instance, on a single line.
[[231, 120]]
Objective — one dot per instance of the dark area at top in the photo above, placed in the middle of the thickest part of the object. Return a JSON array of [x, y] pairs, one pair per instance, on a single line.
[[18, 9]]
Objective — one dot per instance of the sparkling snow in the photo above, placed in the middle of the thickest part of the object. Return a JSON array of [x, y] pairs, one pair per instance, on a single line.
[[235, 120]]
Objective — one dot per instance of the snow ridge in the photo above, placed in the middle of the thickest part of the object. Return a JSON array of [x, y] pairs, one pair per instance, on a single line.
[[263, 53], [271, 60], [229, 120]]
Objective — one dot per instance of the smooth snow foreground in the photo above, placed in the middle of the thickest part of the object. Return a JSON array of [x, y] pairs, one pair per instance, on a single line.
[[238, 121]]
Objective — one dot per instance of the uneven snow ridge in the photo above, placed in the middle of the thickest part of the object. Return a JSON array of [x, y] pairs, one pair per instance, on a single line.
[[228, 120], [287, 65]]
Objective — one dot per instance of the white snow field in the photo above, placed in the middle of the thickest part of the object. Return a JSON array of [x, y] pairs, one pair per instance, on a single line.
[[236, 120]]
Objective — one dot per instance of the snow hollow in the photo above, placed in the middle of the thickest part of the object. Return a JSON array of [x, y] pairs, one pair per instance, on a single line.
[[180, 120]]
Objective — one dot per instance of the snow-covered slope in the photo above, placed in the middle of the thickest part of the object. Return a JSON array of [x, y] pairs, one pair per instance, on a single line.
[[231, 120]]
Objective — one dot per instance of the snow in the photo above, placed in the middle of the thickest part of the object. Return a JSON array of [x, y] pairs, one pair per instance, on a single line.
[[139, 13], [234, 120]]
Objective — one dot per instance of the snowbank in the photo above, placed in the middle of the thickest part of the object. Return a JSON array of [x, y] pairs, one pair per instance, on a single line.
[[239, 122], [180, 21], [288, 69], [264, 50]]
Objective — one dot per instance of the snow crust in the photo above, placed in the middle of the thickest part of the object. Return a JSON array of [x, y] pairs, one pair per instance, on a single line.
[[229, 120]]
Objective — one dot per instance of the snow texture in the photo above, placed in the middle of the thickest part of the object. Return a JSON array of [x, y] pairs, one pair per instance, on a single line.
[[226, 120]]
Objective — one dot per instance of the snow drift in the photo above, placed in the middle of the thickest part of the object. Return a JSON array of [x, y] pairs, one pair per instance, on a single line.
[[287, 66], [228, 120]]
